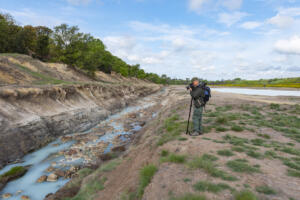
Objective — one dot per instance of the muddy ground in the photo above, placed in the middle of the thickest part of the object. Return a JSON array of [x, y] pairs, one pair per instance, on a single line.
[[250, 150]]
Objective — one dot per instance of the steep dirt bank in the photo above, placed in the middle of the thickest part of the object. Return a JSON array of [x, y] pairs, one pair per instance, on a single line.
[[41, 101], [250, 148], [32, 117]]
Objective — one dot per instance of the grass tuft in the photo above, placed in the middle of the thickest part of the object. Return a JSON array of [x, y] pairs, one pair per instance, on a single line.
[[241, 165], [174, 158], [189, 197], [225, 152], [203, 186], [146, 175], [265, 190], [245, 195]]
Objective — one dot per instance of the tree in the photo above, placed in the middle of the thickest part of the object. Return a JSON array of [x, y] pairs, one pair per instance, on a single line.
[[43, 42]]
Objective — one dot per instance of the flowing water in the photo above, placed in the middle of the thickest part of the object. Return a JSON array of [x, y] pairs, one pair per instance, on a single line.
[[42, 159], [264, 92]]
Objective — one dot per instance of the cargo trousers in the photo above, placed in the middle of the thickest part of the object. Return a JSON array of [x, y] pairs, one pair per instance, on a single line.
[[197, 119]]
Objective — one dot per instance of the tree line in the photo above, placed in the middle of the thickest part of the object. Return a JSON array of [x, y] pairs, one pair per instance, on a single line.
[[66, 44]]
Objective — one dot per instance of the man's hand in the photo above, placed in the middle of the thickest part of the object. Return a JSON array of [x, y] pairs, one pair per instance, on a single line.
[[191, 89]]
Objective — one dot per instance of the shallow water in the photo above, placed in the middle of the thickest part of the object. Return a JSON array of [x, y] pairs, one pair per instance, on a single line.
[[41, 159], [263, 92]]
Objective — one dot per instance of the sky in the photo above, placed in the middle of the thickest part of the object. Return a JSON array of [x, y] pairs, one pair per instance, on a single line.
[[211, 39]]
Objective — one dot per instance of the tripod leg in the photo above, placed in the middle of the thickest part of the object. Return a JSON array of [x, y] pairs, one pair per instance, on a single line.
[[188, 124]]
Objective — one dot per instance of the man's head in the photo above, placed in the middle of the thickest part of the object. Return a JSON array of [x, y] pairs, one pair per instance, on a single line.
[[195, 81]]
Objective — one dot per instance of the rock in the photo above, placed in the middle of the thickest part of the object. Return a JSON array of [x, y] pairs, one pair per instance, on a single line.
[[65, 139], [24, 197], [42, 179], [52, 177], [50, 169], [60, 173], [6, 195], [71, 152], [119, 148], [74, 169], [105, 157], [19, 192]]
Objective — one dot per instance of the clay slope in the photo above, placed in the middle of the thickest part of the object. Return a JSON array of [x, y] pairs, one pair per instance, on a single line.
[[41, 101]]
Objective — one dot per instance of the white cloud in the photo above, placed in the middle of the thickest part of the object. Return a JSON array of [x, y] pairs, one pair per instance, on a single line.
[[231, 18], [27, 16], [196, 5], [79, 2], [251, 25], [213, 5], [288, 46], [232, 4], [281, 21]]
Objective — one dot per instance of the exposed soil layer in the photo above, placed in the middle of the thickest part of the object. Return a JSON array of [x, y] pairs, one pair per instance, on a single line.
[[33, 113]]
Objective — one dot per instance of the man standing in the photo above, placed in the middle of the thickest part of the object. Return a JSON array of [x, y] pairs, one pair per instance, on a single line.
[[197, 92]]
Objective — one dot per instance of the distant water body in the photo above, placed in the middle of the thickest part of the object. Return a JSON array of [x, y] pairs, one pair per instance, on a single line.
[[263, 92]]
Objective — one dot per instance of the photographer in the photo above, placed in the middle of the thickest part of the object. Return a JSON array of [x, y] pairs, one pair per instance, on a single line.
[[200, 94]]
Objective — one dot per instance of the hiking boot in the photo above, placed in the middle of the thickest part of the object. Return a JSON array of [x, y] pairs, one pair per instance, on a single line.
[[194, 133]]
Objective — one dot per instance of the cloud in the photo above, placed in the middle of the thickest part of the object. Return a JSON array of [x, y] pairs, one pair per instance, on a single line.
[[200, 6], [288, 46], [27, 16], [293, 69], [231, 18], [232, 4], [251, 25], [197, 5], [79, 2], [281, 21]]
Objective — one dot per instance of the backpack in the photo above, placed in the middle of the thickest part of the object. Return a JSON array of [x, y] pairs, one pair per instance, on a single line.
[[201, 95], [207, 94]]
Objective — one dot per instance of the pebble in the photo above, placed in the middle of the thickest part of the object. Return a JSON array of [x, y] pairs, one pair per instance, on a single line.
[[42, 179], [24, 197], [6, 195], [52, 178], [19, 192]]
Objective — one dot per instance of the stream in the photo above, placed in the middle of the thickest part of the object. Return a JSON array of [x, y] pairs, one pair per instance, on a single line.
[[99, 139]]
